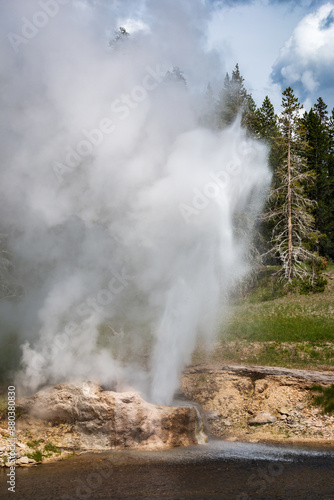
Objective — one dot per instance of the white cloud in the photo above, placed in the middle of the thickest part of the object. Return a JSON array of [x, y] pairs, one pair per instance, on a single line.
[[251, 33], [309, 82], [306, 61]]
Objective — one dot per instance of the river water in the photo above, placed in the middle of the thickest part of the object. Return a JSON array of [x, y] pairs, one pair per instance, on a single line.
[[219, 469]]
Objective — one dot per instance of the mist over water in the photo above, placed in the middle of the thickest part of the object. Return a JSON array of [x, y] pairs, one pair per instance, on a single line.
[[116, 203]]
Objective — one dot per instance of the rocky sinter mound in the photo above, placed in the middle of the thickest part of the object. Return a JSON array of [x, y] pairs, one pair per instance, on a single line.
[[72, 418], [261, 403], [104, 420]]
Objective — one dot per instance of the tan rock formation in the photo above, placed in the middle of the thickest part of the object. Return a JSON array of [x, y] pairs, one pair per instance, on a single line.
[[236, 398], [104, 420]]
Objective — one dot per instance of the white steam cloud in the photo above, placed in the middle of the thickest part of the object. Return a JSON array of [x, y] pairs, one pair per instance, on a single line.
[[117, 205]]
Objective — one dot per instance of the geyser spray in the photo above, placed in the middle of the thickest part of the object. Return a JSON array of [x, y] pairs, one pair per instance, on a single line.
[[118, 206]]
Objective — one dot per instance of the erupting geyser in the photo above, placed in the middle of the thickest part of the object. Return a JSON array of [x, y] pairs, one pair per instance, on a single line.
[[117, 204]]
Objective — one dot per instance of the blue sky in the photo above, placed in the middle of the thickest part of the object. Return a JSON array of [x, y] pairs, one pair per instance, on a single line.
[[277, 44]]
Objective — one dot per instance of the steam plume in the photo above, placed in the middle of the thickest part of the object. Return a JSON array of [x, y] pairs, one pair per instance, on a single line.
[[117, 205]]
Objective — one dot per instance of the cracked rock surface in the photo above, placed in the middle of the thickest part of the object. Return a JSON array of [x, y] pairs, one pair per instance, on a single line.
[[77, 417], [265, 404]]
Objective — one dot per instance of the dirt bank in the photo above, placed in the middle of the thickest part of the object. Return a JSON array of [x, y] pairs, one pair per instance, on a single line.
[[260, 403]]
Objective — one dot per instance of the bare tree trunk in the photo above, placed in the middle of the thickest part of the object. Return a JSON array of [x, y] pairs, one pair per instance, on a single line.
[[290, 264]]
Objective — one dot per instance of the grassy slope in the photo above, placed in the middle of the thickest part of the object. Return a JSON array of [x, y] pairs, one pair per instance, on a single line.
[[293, 331]]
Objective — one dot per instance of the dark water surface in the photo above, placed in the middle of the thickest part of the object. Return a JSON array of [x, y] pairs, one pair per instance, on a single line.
[[219, 469]]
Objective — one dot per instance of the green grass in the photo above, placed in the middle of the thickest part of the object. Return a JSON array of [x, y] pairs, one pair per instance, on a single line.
[[33, 444], [290, 318], [324, 397], [49, 447], [3, 407], [287, 354], [267, 326], [281, 328], [36, 455]]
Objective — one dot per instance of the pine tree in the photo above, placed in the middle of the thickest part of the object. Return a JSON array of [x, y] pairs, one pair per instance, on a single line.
[[225, 116], [328, 194], [267, 120], [239, 93], [293, 233], [321, 110], [318, 139], [250, 117], [268, 130], [234, 99], [209, 114]]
